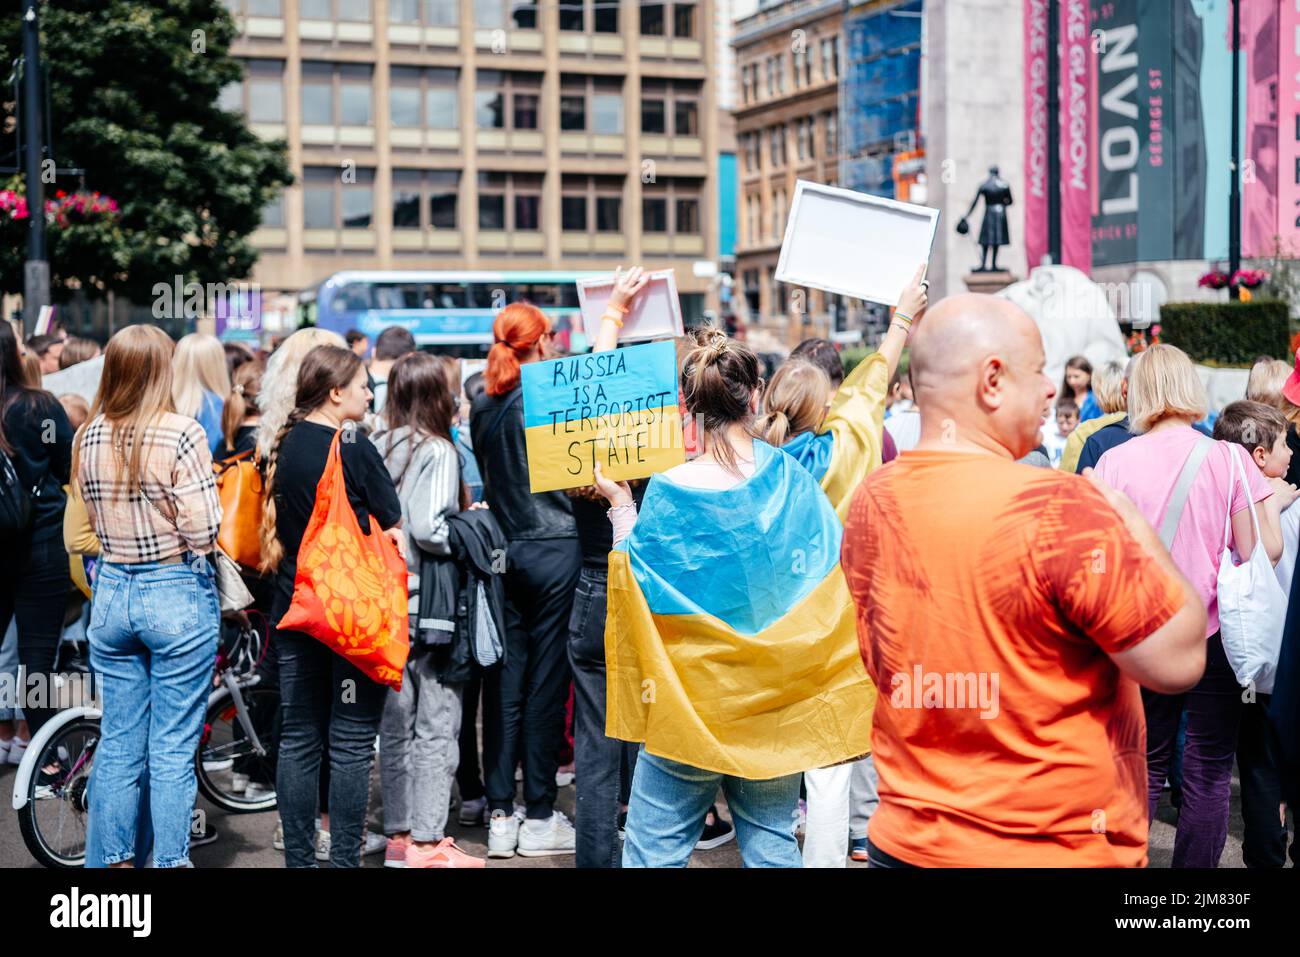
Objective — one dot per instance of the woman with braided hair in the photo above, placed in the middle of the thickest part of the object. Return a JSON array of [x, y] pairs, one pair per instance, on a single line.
[[325, 700]]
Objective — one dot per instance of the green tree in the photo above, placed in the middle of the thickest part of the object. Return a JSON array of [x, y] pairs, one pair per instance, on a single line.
[[134, 86]]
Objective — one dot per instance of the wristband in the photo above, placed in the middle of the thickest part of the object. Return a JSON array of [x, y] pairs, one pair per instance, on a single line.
[[615, 508], [901, 317], [906, 327], [617, 320]]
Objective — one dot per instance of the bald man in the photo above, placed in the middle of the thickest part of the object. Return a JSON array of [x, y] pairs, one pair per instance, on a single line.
[[1007, 615]]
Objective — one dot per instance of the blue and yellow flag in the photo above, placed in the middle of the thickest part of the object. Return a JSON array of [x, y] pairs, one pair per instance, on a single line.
[[730, 641]]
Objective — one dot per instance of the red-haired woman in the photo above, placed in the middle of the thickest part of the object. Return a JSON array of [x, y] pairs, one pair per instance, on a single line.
[[523, 700]]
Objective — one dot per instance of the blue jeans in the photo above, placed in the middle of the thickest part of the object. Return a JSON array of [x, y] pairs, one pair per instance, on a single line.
[[153, 638], [669, 801]]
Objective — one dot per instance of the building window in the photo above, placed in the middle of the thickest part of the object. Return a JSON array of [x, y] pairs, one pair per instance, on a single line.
[[431, 13], [605, 17], [671, 206], [652, 20], [663, 98], [776, 144], [352, 10], [654, 215], [499, 14], [686, 118], [425, 199], [652, 114], [254, 8], [780, 73], [336, 94], [509, 201], [830, 125], [260, 97], [807, 139], [502, 98], [585, 197], [591, 104], [573, 15], [688, 216], [330, 202], [683, 20], [273, 212], [753, 291]]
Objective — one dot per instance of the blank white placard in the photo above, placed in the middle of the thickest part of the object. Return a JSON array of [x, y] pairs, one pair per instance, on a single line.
[[853, 244], [656, 312]]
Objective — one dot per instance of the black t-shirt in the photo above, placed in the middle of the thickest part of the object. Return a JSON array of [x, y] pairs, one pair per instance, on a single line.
[[40, 437], [1293, 470], [245, 439], [299, 466], [595, 533]]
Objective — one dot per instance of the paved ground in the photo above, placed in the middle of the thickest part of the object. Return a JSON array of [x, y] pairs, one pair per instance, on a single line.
[[245, 840]]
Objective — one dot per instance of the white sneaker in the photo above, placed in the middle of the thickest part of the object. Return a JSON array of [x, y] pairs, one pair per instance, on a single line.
[[238, 783], [17, 748], [503, 833], [563, 777], [473, 813], [373, 843], [277, 839], [322, 845], [543, 838], [255, 791]]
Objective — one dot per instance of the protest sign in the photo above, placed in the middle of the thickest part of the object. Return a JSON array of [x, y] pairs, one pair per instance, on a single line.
[[656, 312], [854, 244], [81, 379], [618, 408]]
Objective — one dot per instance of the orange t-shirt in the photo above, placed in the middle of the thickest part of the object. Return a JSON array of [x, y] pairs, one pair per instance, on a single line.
[[989, 594]]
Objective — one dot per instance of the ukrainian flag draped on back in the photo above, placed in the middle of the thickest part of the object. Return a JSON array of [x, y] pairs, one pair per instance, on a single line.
[[847, 446], [730, 641]]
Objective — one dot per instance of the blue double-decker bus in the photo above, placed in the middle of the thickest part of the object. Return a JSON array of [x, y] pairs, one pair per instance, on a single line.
[[450, 312]]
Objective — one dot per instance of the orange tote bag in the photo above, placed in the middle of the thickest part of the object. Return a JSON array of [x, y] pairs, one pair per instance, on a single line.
[[350, 588], [239, 486]]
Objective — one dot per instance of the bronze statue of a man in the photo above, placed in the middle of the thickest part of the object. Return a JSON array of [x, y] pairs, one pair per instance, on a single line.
[[994, 233]]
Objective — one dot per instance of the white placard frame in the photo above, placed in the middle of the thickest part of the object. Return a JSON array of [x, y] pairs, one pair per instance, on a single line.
[[591, 323], [877, 294]]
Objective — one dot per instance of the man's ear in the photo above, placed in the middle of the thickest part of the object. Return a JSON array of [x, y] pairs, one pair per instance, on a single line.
[[1260, 455], [991, 384]]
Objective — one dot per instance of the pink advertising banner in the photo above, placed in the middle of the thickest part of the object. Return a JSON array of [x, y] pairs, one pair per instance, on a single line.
[[1288, 126], [1036, 131], [1077, 123]]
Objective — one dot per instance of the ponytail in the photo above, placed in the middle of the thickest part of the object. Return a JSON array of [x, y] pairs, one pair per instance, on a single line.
[[774, 428], [794, 402], [242, 401], [518, 329], [719, 379]]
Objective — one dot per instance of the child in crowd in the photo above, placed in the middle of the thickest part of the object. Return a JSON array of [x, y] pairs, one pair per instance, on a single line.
[[1067, 420], [76, 407], [1262, 431]]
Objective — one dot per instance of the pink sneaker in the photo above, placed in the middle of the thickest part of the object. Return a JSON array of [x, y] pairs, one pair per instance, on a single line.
[[443, 854], [395, 852]]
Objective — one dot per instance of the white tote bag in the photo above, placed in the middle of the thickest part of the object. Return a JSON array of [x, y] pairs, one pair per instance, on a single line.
[[1252, 605]]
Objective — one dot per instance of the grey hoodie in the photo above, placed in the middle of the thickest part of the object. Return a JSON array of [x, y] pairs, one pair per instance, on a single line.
[[428, 487]]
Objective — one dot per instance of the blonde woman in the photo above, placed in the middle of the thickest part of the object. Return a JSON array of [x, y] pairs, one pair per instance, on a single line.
[[1110, 390], [146, 477], [279, 391], [1165, 397], [1273, 383], [200, 381]]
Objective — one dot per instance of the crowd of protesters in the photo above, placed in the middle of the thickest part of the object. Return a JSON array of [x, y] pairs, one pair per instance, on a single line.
[[980, 663]]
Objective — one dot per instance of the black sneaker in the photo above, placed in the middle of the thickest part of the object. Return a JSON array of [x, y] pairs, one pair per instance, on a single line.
[[208, 836], [716, 833], [622, 824]]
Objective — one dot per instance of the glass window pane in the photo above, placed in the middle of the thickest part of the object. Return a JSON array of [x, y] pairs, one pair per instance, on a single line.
[[273, 212], [605, 19], [688, 216], [525, 111], [524, 14], [652, 20], [572, 15], [654, 215], [442, 208], [315, 10], [489, 109], [652, 116], [231, 96], [683, 19], [404, 105], [318, 207], [266, 101], [264, 8], [491, 211], [573, 113], [609, 214], [527, 208], [440, 109], [573, 213], [489, 13], [406, 209], [317, 104], [354, 104], [441, 13], [607, 112], [354, 9], [358, 206], [686, 118], [404, 11]]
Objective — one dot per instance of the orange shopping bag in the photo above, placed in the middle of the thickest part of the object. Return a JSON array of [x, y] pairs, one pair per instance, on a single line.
[[350, 588]]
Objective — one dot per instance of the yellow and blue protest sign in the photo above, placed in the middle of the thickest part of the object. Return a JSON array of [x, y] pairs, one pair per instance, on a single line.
[[618, 408]]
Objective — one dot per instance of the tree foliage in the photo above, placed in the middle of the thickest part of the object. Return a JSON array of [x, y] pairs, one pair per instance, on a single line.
[[134, 88]]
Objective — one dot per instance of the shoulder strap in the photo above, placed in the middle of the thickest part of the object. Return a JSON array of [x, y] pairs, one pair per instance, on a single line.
[[1183, 488], [506, 406]]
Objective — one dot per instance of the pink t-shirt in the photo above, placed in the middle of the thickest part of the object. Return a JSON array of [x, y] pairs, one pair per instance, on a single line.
[[1146, 468]]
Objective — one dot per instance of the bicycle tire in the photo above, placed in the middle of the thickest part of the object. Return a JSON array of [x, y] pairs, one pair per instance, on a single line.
[[28, 825], [214, 784]]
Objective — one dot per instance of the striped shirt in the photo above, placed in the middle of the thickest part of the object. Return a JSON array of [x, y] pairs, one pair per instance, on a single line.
[[177, 482]]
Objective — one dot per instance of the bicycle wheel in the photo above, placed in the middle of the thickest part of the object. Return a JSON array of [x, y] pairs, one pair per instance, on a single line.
[[231, 774], [53, 821]]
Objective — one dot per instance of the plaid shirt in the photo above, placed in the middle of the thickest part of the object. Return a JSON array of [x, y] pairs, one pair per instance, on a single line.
[[176, 477]]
